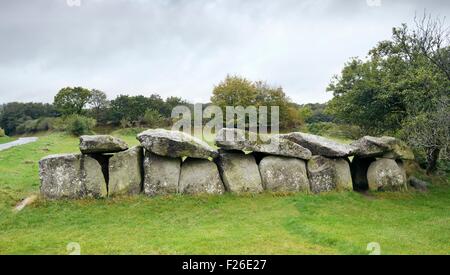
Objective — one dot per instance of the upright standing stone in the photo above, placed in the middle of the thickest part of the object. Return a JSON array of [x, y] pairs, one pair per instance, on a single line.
[[239, 172], [125, 172], [281, 174], [71, 176], [101, 144], [327, 174], [161, 174], [175, 144], [94, 179], [385, 175], [199, 176]]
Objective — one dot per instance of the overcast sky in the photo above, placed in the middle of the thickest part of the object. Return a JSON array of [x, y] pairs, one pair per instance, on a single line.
[[184, 47]]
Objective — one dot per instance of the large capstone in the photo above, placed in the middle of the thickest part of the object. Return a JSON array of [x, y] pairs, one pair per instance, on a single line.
[[240, 173], [125, 172], [385, 147], [200, 176], [71, 176], [175, 144], [237, 139], [161, 174], [282, 174], [385, 175], [326, 174], [101, 144], [320, 146]]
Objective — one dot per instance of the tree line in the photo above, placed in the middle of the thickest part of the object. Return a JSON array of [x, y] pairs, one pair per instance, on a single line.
[[85, 104], [81, 108]]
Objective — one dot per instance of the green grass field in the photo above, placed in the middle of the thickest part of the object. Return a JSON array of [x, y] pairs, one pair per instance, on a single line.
[[6, 139], [333, 223]]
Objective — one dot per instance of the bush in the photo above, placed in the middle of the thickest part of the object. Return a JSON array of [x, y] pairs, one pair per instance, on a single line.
[[36, 125], [128, 132], [2, 133], [125, 123], [153, 119], [79, 125], [26, 127], [330, 129], [76, 125], [45, 124]]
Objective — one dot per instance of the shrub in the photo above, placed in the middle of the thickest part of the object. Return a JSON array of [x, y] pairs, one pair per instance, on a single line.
[[79, 125], [35, 125], [45, 124], [128, 132], [26, 127], [76, 125], [2, 133], [153, 119], [320, 128], [125, 123], [335, 130]]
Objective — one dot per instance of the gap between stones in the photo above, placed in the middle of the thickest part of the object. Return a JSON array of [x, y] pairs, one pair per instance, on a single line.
[[103, 160]]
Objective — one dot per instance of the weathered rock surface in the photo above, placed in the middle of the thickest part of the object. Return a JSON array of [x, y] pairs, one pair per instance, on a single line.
[[385, 175], [236, 139], [320, 146], [125, 172], [240, 173], [386, 147], [199, 176], [161, 174], [175, 144], [282, 174], [101, 144], [327, 174], [418, 184], [71, 176]]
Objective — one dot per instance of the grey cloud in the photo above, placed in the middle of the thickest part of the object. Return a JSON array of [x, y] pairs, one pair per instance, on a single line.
[[184, 47]]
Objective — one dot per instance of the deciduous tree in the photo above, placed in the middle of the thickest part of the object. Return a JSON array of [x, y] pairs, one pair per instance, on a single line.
[[70, 100]]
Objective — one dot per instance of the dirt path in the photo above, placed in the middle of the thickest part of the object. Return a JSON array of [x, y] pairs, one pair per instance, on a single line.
[[20, 141]]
